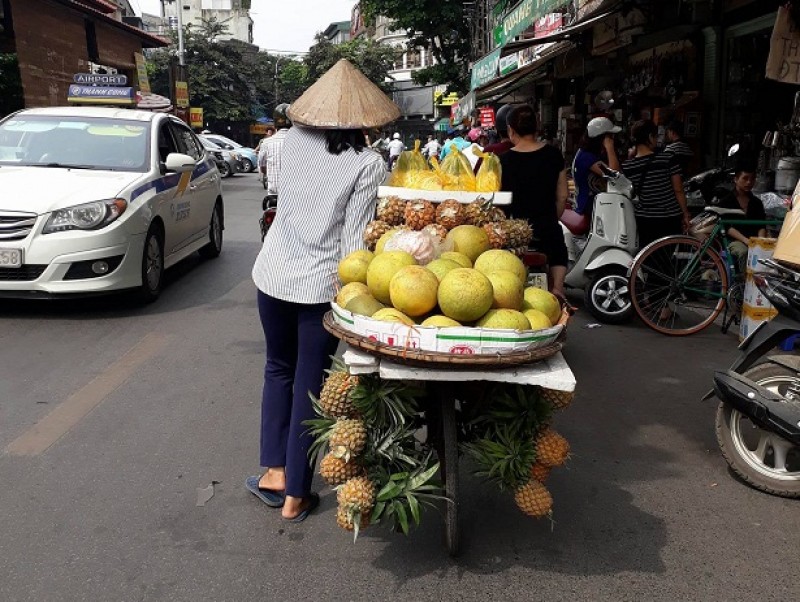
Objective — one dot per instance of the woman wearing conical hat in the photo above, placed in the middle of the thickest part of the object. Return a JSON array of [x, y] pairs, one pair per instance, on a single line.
[[326, 196]]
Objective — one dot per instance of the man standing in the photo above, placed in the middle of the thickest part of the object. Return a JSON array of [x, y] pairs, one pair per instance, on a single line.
[[269, 156], [675, 145], [396, 147]]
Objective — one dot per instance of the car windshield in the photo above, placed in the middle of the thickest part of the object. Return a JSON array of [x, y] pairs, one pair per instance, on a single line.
[[228, 141], [75, 142], [210, 145]]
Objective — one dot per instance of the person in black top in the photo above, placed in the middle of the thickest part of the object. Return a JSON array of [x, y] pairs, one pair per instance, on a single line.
[[743, 198], [676, 145], [656, 178], [534, 172]]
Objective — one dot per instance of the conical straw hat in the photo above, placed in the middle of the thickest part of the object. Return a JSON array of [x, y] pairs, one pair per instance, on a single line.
[[343, 98]]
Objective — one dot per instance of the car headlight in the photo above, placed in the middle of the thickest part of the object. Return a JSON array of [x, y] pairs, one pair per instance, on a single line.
[[235, 156], [88, 216]]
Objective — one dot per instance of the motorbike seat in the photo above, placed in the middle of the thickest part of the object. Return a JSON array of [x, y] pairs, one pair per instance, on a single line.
[[722, 211], [576, 223]]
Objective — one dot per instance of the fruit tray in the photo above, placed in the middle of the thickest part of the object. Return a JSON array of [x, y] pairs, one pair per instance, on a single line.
[[437, 196]]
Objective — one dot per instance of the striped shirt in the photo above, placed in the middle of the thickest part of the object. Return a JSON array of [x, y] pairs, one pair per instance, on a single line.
[[652, 180], [683, 154], [324, 203], [269, 159]]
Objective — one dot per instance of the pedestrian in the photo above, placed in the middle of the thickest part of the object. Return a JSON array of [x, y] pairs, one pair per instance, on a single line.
[[661, 209], [535, 174], [504, 144], [596, 150], [432, 148], [269, 157], [396, 147], [327, 190], [742, 198], [678, 147]]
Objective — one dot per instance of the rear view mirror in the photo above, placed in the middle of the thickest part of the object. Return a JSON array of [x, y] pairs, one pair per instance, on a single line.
[[179, 163], [733, 150]]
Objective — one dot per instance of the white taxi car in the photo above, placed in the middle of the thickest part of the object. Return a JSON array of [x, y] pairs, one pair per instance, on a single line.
[[95, 200]]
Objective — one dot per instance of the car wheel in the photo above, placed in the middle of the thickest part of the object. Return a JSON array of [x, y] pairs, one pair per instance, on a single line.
[[224, 169], [152, 265], [214, 246], [247, 166]]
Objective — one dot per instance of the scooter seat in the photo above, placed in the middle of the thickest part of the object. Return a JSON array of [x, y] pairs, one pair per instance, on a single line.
[[534, 259], [576, 223], [723, 211]]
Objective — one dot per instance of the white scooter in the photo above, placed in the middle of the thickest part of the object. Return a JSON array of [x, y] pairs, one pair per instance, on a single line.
[[600, 267]]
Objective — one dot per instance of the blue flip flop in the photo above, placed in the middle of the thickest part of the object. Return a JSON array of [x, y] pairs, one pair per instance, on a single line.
[[312, 505], [273, 499]]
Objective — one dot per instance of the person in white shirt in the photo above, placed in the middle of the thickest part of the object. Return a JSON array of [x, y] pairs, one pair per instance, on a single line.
[[269, 156], [396, 147], [432, 148], [327, 194]]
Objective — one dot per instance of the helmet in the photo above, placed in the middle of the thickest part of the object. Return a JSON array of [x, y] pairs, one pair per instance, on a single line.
[[281, 117], [396, 136], [501, 120]]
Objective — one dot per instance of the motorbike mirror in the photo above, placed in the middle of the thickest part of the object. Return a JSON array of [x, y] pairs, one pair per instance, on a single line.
[[733, 150]]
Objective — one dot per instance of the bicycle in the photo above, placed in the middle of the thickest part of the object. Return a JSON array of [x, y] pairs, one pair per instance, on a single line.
[[681, 284]]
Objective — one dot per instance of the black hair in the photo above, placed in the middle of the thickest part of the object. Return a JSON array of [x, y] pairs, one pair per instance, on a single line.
[[523, 120], [744, 164], [339, 141], [592, 145], [642, 130], [676, 126]]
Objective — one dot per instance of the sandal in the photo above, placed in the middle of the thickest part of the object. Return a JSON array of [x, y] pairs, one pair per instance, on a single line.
[[272, 498], [313, 504]]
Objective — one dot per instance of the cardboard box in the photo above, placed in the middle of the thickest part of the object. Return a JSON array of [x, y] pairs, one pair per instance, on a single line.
[[464, 341], [788, 246], [752, 317], [759, 248], [753, 297], [437, 196]]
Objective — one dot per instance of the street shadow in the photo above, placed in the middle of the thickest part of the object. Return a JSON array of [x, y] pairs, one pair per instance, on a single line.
[[193, 282]]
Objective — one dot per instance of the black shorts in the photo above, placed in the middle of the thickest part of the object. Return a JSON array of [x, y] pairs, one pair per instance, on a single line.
[[552, 244], [652, 228]]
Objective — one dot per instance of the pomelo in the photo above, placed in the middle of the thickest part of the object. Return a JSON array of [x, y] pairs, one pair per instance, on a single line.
[[465, 294], [469, 240], [390, 314], [508, 290], [538, 320], [500, 259], [384, 239], [412, 290], [353, 268], [364, 305], [459, 258], [350, 291], [381, 270], [546, 302], [508, 319], [441, 266], [440, 322]]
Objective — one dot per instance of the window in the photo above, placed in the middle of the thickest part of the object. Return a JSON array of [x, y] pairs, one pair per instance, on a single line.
[[216, 5], [186, 142], [166, 144]]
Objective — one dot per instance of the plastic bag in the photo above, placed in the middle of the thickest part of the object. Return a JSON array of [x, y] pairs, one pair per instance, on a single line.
[[423, 246], [408, 163], [490, 173], [446, 181], [459, 170]]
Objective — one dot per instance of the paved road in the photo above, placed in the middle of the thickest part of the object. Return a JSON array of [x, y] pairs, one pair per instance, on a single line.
[[112, 417]]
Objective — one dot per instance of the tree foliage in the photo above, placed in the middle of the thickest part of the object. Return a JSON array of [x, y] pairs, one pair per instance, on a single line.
[[372, 58], [438, 25]]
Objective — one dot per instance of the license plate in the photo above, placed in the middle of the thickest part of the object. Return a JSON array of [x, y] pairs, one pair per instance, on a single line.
[[10, 258]]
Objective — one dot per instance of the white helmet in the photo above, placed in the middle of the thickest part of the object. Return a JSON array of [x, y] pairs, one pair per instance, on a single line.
[[600, 126], [396, 136]]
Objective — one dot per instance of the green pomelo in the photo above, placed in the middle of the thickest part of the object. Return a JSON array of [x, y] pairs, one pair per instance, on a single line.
[[413, 290], [499, 259], [353, 269], [383, 240], [440, 322], [538, 320], [508, 290], [546, 302], [507, 319], [390, 314], [459, 258], [350, 291], [469, 240], [382, 269], [364, 305], [441, 266], [465, 295]]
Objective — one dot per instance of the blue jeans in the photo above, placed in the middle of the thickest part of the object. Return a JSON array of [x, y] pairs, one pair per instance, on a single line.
[[299, 350]]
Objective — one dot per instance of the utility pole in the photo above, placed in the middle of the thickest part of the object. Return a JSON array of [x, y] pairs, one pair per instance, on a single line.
[[179, 5]]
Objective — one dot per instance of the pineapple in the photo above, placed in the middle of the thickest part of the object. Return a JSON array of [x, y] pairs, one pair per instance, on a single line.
[[559, 399], [438, 231], [419, 214], [477, 212], [336, 471], [539, 472], [450, 213], [520, 233], [346, 519], [551, 449], [498, 239], [356, 500], [391, 210], [534, 499], [348, 438], [334, 399], [373, 233], [496, 215], [519, 251]]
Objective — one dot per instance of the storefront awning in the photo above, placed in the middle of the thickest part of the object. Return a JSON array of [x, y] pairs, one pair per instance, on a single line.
[[565, 34]]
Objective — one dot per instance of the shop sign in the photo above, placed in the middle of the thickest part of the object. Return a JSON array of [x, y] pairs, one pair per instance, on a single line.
[[509, 63], [522, 17], [486, 116], [196, 117], [548, 25], [440, 99], [97, 79], [110, 95], [485, 69], [182, 95], [141, 73], [463, 109], [783, 63]]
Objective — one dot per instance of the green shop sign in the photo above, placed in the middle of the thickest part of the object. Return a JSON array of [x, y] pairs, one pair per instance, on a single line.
[[522, 17], [485, 70]]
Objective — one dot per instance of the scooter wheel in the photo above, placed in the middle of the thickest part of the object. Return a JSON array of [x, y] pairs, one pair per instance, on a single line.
[[607, 296], [760, 458]]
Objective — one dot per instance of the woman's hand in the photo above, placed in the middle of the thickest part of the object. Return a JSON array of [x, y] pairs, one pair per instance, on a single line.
[[686, 221]]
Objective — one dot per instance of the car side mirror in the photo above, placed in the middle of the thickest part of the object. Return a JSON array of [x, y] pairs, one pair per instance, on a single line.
[[179, 163]]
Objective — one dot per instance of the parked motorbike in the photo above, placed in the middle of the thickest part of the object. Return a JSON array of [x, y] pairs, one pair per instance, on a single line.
[[758, 418], [599, 262], [269, 206], [709, 187]]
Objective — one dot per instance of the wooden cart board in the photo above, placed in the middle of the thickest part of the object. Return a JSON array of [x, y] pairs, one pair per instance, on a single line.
[[437, 196]]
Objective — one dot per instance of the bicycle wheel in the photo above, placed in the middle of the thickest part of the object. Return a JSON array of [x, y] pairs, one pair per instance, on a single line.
[[677, 288]]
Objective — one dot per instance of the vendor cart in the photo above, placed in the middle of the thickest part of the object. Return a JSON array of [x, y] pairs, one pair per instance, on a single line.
[[544, 367]]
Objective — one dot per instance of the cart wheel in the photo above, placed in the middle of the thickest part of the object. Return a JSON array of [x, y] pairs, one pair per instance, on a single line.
[[449, 464]]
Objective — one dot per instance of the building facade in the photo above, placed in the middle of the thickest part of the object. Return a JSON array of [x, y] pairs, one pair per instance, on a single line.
[[337, 33], [234, 14]]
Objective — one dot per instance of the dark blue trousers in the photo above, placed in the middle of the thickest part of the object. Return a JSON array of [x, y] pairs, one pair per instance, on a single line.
[[298, 352]]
